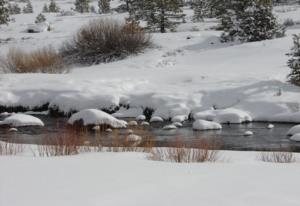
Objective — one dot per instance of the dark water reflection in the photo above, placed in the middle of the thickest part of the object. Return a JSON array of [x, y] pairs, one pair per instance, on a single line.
[[231, 136]]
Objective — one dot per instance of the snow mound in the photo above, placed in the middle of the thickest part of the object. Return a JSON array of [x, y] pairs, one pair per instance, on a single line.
[[145, 123], [230, 115], [108, 130], [37, 28], [96, 117], [296, 137], [206, 125], [248, 133], [177, 124], [133, 138], [4, 114], [169, 127], [179, 118], [156, 119], [140, 118], [132, 123], [21, 120], [13, 130], [96, 128], [233, 116], [294, 130]]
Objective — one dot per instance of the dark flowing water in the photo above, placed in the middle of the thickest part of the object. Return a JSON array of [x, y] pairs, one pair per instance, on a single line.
[[231, 136]]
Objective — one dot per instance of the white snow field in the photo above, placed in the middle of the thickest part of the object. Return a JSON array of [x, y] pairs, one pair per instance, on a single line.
[[128, 179], [176, 77]]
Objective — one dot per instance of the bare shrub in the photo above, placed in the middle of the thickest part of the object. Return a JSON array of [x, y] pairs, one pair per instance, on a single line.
[[45, 60], [203, 151], [68, 141], [277, 157], [104, 40]]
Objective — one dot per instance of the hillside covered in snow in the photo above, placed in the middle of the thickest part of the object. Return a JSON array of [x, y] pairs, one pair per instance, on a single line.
[[184, 72]]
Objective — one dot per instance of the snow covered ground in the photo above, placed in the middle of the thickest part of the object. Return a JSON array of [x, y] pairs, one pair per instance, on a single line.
[[178, 76], [129, 179]]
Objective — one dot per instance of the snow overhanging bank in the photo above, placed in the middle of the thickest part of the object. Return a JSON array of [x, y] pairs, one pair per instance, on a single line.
[[130, 99]]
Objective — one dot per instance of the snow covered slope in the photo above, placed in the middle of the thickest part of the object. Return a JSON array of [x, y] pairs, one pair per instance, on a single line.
[[178, 76]]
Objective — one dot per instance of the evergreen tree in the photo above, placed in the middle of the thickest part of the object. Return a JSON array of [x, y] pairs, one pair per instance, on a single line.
[[82, 6], [159, 14], [40, 18], [14, 9], [45, 8], [199, 7], [92, 9], [250, 20], [104, 6], [53, 7], [218, 7], [28, 8], [294, 61], [4, 12]]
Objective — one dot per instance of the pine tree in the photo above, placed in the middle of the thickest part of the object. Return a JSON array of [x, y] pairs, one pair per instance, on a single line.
[[45, 8], [250, 20], [218, 7], [4, 12], [159, 14], [28, 8], [199, 7], [53, 7], [40, 18], [92, 9], [104, 6], [14, 9], [294, 61], [82, 6]]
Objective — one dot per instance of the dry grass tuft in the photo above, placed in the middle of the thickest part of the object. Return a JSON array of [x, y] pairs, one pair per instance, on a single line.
[[45, 60], [203, 151], [69, 141], [277, 157], [8, 148]]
